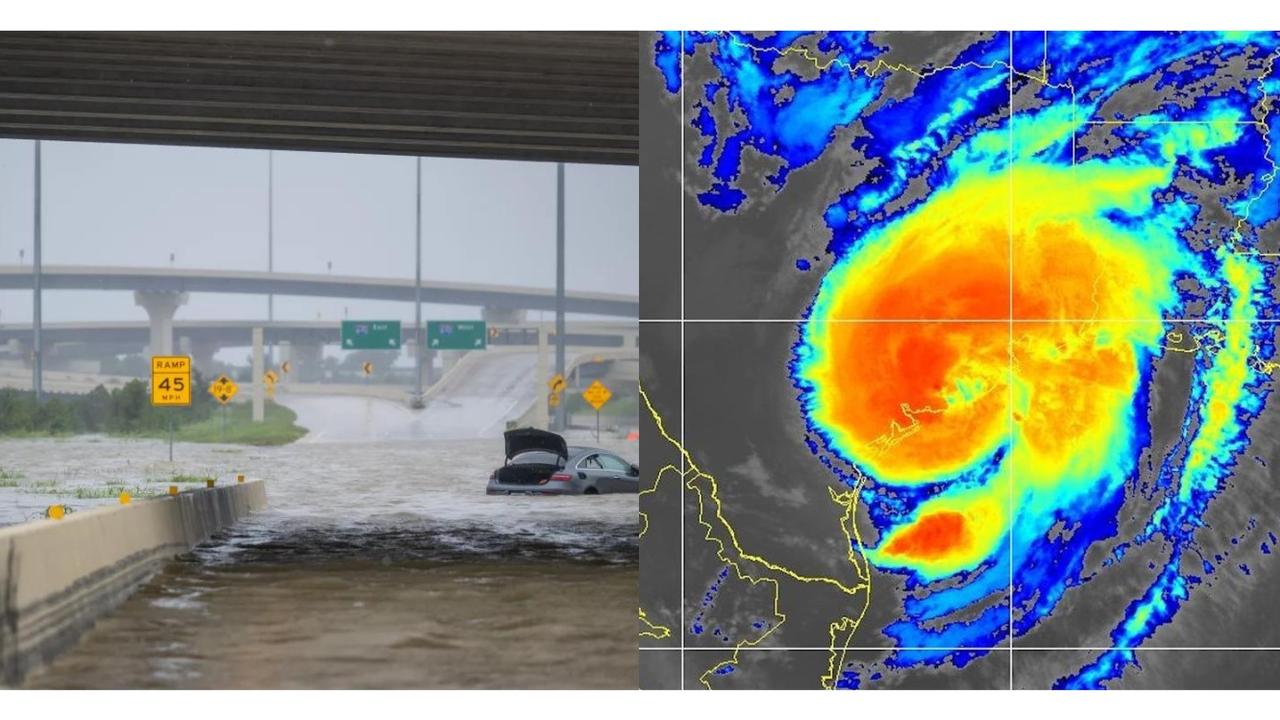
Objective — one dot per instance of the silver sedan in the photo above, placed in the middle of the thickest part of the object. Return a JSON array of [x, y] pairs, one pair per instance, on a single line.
[[539, 462]]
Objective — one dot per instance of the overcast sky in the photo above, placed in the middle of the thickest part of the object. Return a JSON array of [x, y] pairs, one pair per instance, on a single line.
[[483, 221]]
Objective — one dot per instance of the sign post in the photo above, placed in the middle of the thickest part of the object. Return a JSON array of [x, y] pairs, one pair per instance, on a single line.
[[269, 380], [596, 396], [170, 385], [222, 390], [457, 335], [557, 385]]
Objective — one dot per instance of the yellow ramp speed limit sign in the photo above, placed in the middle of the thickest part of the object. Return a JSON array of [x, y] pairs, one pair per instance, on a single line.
[[171, 380]]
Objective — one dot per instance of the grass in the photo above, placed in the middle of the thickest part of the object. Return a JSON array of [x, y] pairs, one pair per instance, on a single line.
[[278, 428], [90, 492], [9, 478], [177, 479], [42, 487], [34, 434], [618, 406], [113, 491]]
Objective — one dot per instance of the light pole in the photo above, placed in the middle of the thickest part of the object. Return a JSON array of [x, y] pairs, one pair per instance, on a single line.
[[37, 376], [560, 418], [417, 289], [271, 229]]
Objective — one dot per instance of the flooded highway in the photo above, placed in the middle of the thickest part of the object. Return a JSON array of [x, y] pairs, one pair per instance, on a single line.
[[496, 387], [379, 563]]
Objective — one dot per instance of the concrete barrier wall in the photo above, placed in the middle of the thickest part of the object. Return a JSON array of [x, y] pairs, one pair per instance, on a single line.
[[58, 576]]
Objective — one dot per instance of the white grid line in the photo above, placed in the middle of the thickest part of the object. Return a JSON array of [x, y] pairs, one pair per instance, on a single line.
[[968, 321], [1009, 353], [1045, 648], [683, 447]]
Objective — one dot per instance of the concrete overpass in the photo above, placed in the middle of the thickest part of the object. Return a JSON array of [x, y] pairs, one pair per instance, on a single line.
[[161, 291], [233, 333], [300, 340], [184, 280]]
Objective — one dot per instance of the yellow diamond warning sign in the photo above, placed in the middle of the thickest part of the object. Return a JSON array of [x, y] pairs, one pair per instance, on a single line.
[[223, 389], [171, 380], [596, 395]]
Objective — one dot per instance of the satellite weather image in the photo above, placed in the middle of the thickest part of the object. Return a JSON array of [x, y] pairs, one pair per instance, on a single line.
[[959, 351]]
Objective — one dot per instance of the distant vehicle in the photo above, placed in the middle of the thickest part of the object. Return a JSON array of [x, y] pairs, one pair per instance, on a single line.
[[541, 463]]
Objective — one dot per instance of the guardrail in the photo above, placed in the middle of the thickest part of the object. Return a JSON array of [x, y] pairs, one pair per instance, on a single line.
[[58, 576]]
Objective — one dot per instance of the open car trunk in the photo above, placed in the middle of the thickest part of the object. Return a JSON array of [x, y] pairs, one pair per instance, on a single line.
[[532, 456], [526, 474]]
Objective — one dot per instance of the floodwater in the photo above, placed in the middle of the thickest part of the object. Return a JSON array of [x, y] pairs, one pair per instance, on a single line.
[[380, 563], [360, 623]]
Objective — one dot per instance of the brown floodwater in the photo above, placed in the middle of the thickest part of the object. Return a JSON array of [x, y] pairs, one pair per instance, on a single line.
[[520, 624], [379, 563]]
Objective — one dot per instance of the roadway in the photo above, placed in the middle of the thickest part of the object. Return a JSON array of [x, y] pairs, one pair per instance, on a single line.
[[475, 399], [493, 388]]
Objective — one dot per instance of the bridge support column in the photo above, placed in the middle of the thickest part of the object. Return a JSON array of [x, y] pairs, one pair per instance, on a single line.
[[306, 361], [503, 316], [20, 349], [285, 352], [428, 360], [160, 307], [201, 352], [259, 394], [429, 374], [542, 413]]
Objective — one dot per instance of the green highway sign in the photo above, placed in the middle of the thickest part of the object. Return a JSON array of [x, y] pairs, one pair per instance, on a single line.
[[456, 335], [370, 334]]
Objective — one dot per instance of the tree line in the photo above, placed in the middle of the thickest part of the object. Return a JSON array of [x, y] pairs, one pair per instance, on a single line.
[[123, 410]]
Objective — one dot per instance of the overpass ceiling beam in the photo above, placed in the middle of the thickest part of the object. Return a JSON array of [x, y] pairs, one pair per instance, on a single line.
[[570, 97]]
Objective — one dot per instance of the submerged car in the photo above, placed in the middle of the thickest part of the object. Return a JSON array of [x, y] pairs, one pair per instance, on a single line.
[[541, 463]]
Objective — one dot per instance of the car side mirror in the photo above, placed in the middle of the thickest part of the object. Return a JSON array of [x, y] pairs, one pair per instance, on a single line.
[[634, 471]]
